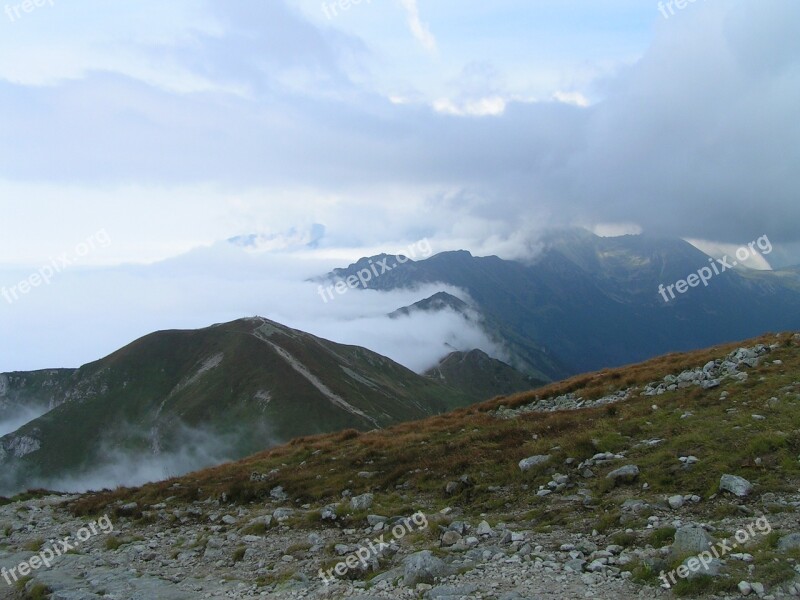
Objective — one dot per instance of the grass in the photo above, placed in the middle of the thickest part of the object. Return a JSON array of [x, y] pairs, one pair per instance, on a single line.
[[424, 454], [412, 461], [34, 545], [113, 543], [663, 536], [38, 592], [238, 554], [259, 528]]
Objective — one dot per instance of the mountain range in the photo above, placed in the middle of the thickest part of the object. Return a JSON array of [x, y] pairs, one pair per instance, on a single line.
[[587, 302], [221, 393]]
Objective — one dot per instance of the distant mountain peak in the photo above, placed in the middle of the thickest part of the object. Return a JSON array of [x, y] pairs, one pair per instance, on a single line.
[[476, 372], [438, 302]]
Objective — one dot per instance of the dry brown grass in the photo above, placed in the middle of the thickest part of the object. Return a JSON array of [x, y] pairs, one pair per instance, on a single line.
[[425, 452]]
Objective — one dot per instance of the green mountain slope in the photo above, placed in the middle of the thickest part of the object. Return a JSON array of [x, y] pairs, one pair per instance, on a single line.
[[249, 385], [480, 375]]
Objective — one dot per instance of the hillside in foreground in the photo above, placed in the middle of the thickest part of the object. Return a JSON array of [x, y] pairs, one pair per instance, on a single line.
[[591, 487]]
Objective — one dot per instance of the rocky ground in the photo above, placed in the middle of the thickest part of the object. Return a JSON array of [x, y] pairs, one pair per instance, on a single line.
[[276, 548], [203, 551]]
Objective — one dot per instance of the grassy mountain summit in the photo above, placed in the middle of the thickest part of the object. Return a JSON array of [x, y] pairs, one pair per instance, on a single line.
[[480, 375], [242, 387]]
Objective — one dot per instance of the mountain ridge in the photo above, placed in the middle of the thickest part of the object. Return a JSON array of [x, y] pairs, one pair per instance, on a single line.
[[589, 302]]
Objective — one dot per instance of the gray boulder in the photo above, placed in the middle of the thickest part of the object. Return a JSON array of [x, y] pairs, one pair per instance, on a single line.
[[362, 502], [738, 486], [789, 542], [278, 494], [532, 461], [626, 474], [698, 568], [423, 567], [691, 539]]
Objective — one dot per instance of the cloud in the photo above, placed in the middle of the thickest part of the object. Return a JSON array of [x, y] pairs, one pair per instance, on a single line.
[[696, 139], [85, 314], [418, 29], [479, 108], [193, 448], [698, 133], [16, 416], [575, 98]]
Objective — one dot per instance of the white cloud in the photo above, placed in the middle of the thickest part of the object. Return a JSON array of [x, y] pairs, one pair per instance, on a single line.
[[574, 98], [615, 229], [483, 107], [418, 29], [85, 314]]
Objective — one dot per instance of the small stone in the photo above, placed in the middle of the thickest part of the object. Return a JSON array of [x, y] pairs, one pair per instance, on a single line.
[[745, 588], [450, 538], [376, 519], [675, 502], [691, 540], [278, 494], [484, 529], [328, 513], [577, 565], [451, 488], [698, 568]]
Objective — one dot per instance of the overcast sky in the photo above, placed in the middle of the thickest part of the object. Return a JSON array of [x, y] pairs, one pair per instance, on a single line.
[[173, 126]]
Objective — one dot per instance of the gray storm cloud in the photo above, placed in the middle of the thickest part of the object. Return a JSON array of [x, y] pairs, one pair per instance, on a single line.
[[698, 138]]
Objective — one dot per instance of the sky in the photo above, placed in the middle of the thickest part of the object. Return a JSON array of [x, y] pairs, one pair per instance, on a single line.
[[148, 134]]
